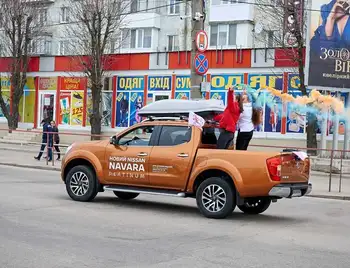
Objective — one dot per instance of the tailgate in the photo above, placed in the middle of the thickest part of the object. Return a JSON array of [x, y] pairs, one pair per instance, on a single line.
[[294, 169]]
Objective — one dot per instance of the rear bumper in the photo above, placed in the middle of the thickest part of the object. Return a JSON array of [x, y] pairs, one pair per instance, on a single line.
[[290, 190]]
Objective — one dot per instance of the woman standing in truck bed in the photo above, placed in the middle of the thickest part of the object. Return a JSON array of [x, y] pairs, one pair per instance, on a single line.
[[228, 120]]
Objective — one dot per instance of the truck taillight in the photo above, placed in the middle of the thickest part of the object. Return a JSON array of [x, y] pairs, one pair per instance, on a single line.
[[274, 167]]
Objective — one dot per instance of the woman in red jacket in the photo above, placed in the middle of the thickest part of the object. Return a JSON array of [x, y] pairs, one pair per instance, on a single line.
[[228, 120]]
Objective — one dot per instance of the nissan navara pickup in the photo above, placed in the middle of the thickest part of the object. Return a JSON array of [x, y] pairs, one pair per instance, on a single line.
[[169, 157]]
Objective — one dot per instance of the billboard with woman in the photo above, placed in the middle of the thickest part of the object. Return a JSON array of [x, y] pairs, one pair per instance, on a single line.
[[329, 48]]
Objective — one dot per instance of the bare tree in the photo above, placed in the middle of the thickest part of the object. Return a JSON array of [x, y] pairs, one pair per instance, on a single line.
[[284, 24], [19, 25], [96, 34]]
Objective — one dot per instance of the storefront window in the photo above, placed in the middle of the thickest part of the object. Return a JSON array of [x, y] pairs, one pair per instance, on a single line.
[[71, 107], [106, 108], [6, 97], [130, 99], [26, 107]]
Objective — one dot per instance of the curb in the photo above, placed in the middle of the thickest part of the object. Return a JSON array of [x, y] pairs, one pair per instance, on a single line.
[[334, 197], [16, 150], [31, 167]]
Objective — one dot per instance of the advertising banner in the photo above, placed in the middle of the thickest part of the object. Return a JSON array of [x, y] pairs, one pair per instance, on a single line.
[[5, 83], [28, 101], [224, 81], [130, 83], [218, 96], [341, 128], [296, 119], [182, 87], [159, 83], [65, 105], [6, 97], [273, 114], [182, 95], [77, 108], [47, 83], [257, 81], [136, 103], [329, 49], [73, 83], [293, 82], [292, 21], [183, 83], [107, 98], [122, 116]]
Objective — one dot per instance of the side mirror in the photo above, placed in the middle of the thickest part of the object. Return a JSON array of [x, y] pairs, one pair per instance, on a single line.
[[114, 140]]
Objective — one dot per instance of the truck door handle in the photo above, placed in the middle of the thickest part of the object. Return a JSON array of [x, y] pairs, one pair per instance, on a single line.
[[142, 154], [182, 155]]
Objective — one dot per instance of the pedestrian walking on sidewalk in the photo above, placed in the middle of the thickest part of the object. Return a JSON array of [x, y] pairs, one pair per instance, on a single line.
[[46, 140], [56, 139]]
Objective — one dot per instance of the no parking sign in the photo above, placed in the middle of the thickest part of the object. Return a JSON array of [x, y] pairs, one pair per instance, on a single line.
[[201, 64]]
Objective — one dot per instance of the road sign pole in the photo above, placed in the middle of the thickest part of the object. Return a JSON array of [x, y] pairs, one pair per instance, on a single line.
[[197, 25]]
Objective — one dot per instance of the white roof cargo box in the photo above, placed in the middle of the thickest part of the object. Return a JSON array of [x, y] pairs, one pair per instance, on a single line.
[[174, 107]]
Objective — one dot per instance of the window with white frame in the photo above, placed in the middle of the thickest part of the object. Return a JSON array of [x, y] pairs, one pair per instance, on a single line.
[[42, 17], [223, 35], [270, 39], [40, 46], [64, 16], [135, 5], [125, 40], [174, 7], [64, 47], [141, 38], [173, 42]]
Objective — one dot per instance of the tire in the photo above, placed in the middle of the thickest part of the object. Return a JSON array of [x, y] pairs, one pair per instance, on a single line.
[[81, 184], [125, 195], [255, 206], [209, 204]]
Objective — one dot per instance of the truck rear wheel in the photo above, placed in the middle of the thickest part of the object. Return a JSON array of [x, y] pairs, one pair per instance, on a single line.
[[255, 205], [81, 184], [215, 198], [125, 195]]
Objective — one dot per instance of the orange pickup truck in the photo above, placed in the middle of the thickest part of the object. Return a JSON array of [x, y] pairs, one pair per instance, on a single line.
[[169, 157]]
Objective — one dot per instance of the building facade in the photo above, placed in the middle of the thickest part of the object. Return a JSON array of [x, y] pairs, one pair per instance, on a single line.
[[153, 64]]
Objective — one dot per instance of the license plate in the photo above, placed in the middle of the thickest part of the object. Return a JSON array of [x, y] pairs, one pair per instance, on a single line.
[[296, 193]]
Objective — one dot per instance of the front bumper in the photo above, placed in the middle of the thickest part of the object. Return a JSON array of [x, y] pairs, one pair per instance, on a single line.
[[290, 190]]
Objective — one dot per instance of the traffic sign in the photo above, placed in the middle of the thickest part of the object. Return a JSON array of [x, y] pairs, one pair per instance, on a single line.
[[201, 64], [202, 41]]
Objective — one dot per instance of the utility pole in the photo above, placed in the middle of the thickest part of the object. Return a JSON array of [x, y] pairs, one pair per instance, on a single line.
[[197, 25]]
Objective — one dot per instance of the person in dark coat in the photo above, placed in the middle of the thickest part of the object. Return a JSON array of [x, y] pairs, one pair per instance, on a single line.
[[56, 139], [46, 140]]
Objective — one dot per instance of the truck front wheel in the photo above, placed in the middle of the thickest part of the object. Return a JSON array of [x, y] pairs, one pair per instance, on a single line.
[[215, 198], [255, 205], [81, 184]]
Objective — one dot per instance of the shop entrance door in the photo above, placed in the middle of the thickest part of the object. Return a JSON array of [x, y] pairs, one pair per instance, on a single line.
[[161, 96], [47, 102]]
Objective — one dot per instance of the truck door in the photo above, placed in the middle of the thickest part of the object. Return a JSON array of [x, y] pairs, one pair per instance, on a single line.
[[171, 158], [128, 162]]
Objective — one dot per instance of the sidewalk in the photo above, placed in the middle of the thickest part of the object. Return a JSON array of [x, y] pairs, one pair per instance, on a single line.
[[23, 156]]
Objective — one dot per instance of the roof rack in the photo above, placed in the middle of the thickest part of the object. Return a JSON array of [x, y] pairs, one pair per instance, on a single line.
[[175, 118]]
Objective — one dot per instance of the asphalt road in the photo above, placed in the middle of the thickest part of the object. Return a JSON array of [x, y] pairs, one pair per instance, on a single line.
[[41, 227]]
